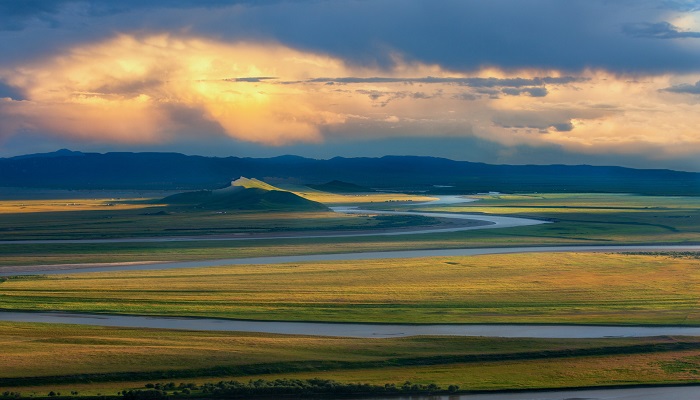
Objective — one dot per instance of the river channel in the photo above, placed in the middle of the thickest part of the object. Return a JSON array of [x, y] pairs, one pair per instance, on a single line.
[[639, 393], [351, 329]]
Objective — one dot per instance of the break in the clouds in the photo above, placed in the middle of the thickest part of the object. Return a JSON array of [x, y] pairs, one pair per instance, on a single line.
[[584, 77]]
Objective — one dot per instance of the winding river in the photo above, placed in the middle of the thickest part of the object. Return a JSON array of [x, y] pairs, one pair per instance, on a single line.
[[339, 329], [351, 329], [370, 255], [688, 392], [482, 222], [380, 330]]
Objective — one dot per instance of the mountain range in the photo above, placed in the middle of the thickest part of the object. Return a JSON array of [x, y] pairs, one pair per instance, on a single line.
[[67, 169]]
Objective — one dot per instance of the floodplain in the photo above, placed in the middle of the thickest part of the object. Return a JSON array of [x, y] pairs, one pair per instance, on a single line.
[[644, 288], [577, 288]]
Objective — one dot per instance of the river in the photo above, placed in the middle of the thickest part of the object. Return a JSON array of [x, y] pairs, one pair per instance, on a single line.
[[384, 330], [370, 255], [639, 393], [483, 222], [351, 329]]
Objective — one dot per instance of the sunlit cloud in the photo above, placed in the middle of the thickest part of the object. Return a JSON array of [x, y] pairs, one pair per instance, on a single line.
[[163, 88], [127, 89]]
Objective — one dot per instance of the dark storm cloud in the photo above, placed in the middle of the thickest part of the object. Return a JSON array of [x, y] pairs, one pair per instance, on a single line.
[[685, 88], [466, 35], [7, 91], [461, 35], [683, 6], [659, 30], [15, 14]]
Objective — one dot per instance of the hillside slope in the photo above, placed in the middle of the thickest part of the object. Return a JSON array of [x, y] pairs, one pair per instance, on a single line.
[[244, 194]]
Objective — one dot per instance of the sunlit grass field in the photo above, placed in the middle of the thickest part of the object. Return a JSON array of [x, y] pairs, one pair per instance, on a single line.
[[579, 219], [577, 288], [614, 370], [37, 358], [98, 219], [570, 288]]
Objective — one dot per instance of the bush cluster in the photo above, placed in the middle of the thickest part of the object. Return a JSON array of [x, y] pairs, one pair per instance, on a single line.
[[283, 387]]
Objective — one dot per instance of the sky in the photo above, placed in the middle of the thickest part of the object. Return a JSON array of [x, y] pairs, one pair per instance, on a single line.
[[499, 81]]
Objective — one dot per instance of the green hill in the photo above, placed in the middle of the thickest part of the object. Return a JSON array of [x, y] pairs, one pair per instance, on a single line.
[[341, 187], [244, 194]]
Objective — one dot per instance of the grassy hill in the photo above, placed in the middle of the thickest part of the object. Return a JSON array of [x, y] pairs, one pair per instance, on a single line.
[[252, 184], [244, 194]]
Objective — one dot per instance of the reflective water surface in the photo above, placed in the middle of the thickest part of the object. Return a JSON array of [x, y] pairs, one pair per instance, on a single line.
[[349, 329], [646, 393]]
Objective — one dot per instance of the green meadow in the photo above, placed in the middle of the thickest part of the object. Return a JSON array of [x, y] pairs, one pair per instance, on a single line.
[[101, 221], [580, 219], [576, 288], [546, 288], [38, 358]]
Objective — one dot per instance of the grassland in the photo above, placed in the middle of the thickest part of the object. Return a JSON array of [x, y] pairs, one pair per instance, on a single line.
[[37, 358], [575, 288], [578, 288], [580, 219], [96, 219], [590, 217]]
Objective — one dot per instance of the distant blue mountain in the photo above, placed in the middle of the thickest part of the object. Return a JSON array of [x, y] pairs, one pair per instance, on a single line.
[[57, 153], [66, 169]]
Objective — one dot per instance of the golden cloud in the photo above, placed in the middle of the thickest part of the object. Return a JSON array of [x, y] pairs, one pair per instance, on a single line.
[[126, 90], [150, 89]]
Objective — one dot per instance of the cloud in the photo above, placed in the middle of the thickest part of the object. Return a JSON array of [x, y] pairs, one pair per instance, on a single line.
[[462, 81], [540, 122], [15, 15], [252, 79], [9, 92], [532, 91], [468, 96], [658, 30], [681, 5], [146, 90], [383, 98], [563, 127], [684, 88], [135, 89], [531, 34]]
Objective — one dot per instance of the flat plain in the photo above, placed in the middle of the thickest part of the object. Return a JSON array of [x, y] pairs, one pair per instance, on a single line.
[[577, 288], [580, 219], [39, 358], [569, 287]]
